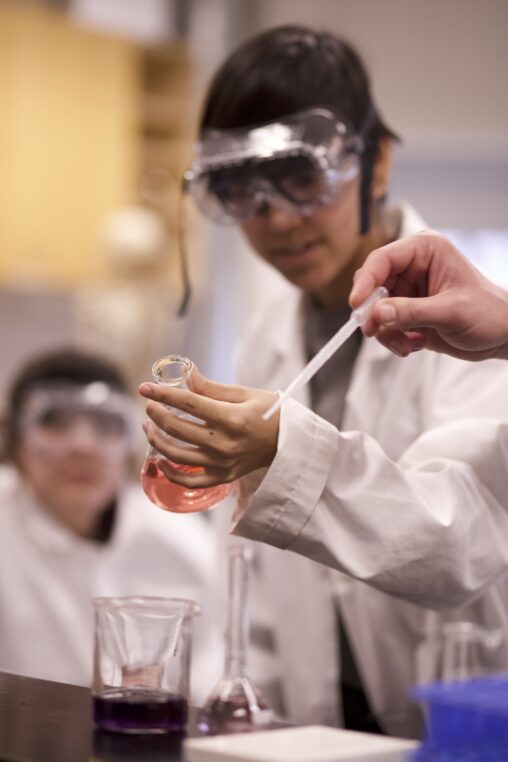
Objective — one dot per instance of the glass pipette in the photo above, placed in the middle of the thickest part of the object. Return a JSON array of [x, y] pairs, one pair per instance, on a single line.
[[358, 317]]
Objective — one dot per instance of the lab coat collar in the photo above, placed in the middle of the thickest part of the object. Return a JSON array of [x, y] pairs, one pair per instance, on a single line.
[[410, 220], [288, 331], [288, 334], [410, 223]]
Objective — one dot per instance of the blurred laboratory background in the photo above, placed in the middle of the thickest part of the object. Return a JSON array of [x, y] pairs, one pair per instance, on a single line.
[[99, 106]]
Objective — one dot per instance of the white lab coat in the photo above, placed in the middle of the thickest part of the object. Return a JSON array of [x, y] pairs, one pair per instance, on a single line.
[[48, 577], [408, 499]]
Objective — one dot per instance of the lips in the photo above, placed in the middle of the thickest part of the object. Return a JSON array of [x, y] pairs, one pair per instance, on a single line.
[[83, 479], [82, 474], [294, 257], [294, 250]]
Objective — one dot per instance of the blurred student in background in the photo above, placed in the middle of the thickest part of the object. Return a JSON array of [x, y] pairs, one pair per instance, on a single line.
[[73, 526], [294, 150]]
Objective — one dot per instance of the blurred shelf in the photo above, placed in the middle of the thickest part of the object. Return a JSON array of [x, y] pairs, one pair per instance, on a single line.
[[164, 127]]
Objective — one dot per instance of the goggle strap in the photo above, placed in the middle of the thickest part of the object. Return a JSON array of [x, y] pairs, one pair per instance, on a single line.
[[367, 161], [366, 181], [182, 250]]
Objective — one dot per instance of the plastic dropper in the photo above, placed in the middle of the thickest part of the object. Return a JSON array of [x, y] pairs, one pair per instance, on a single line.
[[358, 317]]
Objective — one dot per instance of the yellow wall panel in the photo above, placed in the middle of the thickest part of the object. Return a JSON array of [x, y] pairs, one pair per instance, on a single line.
[[68, 143]]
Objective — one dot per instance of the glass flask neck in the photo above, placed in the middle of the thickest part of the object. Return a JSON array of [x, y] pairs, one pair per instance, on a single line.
[[172, 370], [237, 622]]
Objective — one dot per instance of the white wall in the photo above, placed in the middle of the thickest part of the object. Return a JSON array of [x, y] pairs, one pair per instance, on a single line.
[[436, 64], [439, 71]]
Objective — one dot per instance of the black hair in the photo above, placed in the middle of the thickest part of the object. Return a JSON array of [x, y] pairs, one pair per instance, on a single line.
[[291, 68], [66, 365]]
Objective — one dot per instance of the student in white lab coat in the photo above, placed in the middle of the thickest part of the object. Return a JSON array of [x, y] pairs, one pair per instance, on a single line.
[[392, 490], [73, 526]]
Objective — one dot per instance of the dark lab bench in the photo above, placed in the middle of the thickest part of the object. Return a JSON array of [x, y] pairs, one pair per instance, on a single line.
[[41, 721]]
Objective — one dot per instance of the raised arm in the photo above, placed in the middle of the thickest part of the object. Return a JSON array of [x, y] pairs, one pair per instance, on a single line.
[[440, 300], [430, 527]]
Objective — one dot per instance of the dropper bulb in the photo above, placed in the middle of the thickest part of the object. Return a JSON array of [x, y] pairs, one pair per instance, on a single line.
[[363, 312]]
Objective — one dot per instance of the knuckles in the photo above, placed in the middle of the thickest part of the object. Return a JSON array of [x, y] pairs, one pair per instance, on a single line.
[[240, 424], [229, 452], [190, 405]]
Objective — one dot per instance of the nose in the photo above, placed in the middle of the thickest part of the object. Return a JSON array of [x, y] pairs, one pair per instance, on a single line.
[[83, 436], [282, 216]]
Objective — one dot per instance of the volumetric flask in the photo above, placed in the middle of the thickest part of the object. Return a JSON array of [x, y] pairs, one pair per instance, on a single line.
[[141, 663], [175, 371], [236, 704]]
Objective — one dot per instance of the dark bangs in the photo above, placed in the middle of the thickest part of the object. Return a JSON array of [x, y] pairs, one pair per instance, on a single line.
[[289, 69]]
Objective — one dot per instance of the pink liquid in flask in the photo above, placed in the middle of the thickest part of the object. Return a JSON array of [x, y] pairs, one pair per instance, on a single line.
[[174, 371], [173, 497]]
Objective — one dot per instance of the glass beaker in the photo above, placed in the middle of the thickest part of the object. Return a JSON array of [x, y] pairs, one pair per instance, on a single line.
[[458, 651], [466, 650], [175, 371], [142, 653], [236, 704]]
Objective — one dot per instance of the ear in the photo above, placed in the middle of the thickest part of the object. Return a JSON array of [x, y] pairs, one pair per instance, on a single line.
[[381, 170]]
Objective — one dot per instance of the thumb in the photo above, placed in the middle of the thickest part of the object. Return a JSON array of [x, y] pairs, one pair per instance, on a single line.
[[418, 312], [212, 389]]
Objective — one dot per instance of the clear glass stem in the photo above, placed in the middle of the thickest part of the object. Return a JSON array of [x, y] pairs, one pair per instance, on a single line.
[[237, 621], [236, 705]]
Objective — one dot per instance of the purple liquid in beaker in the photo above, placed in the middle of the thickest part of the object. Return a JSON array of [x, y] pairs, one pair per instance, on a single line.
[[140, 711]]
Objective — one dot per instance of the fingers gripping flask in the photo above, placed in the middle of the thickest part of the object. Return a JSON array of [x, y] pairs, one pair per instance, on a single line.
[[175, 371]]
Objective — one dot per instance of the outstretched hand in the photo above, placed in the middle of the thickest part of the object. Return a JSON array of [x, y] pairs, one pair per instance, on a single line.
[[228, 440], [440, 300]]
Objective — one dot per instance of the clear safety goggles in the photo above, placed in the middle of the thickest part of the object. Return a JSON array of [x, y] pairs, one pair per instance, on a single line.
[[55, 417], [299, 162]]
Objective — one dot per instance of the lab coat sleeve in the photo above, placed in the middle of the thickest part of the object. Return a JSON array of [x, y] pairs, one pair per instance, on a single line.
[[431, 528]]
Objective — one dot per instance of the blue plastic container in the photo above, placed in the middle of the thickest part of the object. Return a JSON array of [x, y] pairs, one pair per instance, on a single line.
[[466, 713], [485, 752]]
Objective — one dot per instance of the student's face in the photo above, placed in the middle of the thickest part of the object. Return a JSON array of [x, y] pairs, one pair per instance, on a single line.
[[312, 251], [318, 253], [72, 467]]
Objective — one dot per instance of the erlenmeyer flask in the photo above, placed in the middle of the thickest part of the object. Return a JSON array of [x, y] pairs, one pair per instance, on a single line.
[[175, 371], [236, 705]]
